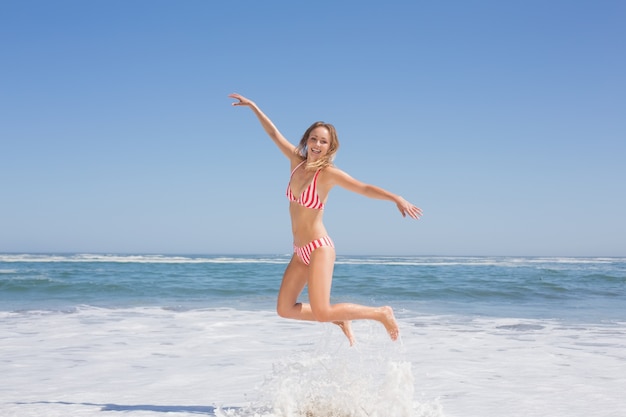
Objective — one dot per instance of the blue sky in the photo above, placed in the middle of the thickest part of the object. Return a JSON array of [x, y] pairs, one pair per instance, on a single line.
[[503, 120]]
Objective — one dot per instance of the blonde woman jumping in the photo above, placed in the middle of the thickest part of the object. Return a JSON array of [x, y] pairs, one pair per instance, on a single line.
[[312, 177]]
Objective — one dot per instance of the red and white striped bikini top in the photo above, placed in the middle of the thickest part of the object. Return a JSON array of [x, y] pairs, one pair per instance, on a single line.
[[309, 197]]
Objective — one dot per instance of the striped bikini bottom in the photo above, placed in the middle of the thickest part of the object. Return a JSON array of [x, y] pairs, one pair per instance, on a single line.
[[305, 251]]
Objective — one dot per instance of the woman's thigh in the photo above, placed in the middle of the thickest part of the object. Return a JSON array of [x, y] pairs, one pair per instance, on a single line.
[[294, 280], [320, 276]]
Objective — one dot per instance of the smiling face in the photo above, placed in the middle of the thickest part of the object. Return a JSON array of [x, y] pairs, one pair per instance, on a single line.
[[319, 145]]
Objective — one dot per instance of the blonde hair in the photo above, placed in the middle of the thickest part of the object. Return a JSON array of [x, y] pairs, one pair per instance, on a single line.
[[326, 160]]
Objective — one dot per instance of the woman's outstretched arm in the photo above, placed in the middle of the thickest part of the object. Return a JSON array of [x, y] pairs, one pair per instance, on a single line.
[[286, 147], [344, 180]]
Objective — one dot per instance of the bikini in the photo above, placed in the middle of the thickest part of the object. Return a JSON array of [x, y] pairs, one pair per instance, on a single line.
[[309, 199]]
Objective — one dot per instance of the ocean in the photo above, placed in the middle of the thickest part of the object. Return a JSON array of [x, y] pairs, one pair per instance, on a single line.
[[165, 335]]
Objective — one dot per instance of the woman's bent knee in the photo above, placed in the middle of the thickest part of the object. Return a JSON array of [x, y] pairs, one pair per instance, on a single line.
[[282, 311], [288, 311]]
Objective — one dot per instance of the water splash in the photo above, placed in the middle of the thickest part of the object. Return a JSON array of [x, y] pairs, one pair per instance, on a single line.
[[366, 381]]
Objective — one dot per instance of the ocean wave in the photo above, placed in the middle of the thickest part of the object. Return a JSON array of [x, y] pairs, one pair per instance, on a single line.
[[140, 259], [285, 258], [479, 261]]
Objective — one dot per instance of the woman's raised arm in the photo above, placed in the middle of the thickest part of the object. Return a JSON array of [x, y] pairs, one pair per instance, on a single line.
[[286, 147], [344, 180]]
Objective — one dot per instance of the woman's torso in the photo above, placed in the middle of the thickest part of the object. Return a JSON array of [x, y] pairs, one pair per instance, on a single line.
[[307, 191]]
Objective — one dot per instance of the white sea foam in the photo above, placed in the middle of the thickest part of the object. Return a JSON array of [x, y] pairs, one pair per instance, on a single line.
[[224, 362], [284, 259], [474, 261], [141, 259]]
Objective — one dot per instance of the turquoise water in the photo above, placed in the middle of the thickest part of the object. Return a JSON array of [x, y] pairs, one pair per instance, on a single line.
[[568, 288]]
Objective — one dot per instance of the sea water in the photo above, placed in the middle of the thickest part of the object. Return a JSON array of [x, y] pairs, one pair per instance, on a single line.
[[156, 335]]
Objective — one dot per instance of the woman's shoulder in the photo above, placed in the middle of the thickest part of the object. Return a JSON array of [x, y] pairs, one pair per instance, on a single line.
[[334, 175], [333, 170], [330, 170]]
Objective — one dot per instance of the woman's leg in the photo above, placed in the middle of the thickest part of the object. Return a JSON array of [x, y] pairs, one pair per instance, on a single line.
[[287, 306], [294, 280], [320, 281]]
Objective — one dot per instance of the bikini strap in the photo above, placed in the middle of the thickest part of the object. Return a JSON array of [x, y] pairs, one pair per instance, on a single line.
[[315, 176], [299, 165]]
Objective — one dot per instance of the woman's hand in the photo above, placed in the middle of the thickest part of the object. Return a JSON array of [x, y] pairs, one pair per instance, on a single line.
[[283, 144], [242, 100], [407, 208]]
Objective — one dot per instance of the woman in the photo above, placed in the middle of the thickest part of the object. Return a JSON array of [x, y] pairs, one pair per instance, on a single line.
[[312, 177]]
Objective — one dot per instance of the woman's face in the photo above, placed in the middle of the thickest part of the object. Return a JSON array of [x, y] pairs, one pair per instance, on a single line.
[[318, 143]]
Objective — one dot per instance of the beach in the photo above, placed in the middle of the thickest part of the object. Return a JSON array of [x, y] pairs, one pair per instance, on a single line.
[[146, 335]]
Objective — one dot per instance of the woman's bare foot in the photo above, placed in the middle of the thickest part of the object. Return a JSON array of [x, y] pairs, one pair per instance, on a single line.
[[346, 328], [389, 321]]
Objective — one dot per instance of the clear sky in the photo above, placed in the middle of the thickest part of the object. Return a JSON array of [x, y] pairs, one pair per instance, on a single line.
[[505, 121]]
